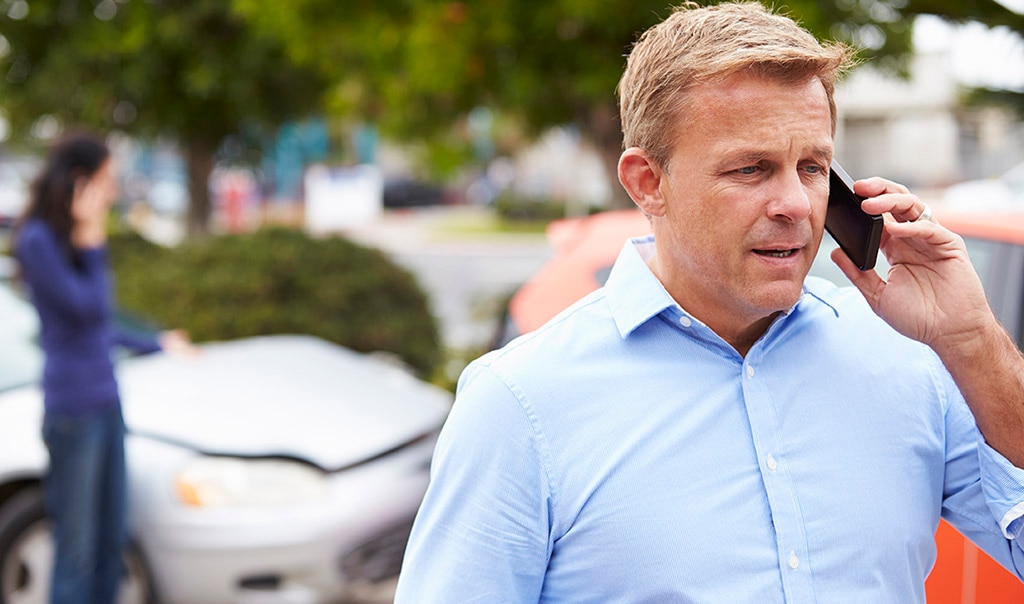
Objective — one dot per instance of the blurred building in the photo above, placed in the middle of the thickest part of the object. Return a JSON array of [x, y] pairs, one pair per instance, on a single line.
[[915, 130]]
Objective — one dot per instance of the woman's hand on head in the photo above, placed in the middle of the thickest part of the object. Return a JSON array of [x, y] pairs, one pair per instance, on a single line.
[[93, 196]]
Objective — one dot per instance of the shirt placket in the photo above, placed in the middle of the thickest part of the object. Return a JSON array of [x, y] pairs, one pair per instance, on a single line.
[[781, 493]]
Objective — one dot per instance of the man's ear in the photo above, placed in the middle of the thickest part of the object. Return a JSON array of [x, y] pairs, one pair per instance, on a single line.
[[641, 177]]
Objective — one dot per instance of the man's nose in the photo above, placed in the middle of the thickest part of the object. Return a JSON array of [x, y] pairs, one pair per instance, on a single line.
[[790, 198]]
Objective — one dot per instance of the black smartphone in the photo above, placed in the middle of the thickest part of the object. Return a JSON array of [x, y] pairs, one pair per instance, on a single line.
[[857, 232]]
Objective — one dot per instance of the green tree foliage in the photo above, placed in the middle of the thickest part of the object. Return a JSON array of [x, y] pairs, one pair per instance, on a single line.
[[991, 14], [418, 66], [191, 70], [199, 69], [279, 281], [986, 97]]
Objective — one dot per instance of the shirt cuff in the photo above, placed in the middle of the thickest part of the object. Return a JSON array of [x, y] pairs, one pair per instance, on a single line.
[[1003, 485]]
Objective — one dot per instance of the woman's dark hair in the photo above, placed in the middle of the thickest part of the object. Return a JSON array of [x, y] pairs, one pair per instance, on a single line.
[[74, 156]]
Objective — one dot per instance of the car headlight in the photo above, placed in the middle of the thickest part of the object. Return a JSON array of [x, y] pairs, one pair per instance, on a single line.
[[230, 481]]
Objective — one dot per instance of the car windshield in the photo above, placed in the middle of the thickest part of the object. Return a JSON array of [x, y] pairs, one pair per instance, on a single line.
[[1014, 179], [21, 359]]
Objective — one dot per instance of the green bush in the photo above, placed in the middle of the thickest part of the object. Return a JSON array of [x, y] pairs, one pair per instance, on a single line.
[[279, 281], [516, 209], [519, 209]]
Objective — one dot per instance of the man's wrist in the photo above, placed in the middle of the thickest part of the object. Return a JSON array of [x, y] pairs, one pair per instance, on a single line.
[[986, 341], [989, 371]]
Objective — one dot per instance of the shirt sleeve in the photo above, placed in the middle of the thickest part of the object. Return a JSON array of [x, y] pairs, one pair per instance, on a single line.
[[482, 531], [54, 281], [1003, 484], [984, 492], [136, 341]]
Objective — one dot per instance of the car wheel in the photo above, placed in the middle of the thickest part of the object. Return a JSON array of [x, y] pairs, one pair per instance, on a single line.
[[26, 555]]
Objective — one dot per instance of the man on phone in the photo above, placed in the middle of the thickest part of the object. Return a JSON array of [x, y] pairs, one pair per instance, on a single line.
[[712, 425]]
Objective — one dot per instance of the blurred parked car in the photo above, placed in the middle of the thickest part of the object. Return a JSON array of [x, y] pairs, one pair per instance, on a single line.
[[270, 469], [1005, 193], [586, 248], [411, 193]]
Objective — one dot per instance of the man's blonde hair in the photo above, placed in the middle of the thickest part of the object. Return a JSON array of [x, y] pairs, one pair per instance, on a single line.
[[695, 45]]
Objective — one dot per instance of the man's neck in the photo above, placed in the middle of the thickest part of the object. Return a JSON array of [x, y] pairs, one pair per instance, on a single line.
[[738, 331], [743, 339]]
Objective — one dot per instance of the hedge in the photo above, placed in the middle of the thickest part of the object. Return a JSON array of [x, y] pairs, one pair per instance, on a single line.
[[279, 281], [513, 208]]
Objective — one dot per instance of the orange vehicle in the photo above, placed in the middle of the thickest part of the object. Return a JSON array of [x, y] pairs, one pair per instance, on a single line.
[[586, 248]]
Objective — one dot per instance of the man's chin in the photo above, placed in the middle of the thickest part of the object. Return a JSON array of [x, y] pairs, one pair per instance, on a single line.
[[781, 297]]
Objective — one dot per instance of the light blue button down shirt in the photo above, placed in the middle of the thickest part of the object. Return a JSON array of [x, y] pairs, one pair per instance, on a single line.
[[625, 453]]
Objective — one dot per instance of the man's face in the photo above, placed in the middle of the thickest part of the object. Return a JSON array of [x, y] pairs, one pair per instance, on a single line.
[[744, 198]]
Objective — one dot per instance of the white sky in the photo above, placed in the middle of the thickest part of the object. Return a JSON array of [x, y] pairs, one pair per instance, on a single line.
[[978, 56]]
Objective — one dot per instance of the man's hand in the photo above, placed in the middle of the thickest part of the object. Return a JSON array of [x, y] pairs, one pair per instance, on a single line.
[[933, 294]]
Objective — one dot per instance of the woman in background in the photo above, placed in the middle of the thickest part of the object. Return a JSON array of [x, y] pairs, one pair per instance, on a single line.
[[60, 244]]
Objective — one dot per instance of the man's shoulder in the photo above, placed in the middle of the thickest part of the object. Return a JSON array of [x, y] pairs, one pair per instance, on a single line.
[[553, 371], [582, 331], [585, 323]]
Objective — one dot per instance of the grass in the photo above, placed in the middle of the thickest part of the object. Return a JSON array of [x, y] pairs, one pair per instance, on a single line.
[[486, 223]]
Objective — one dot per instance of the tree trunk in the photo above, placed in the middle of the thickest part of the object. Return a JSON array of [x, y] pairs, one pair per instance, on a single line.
[[605, 131], [199, 159]]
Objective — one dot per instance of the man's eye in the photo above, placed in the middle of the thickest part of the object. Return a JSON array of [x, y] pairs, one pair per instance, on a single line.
[[814, 169], [748, 170]]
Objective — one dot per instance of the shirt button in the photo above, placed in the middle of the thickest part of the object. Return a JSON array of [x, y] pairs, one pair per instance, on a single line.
[[794, 562], [685, 321], [771, 463], [750, 371]]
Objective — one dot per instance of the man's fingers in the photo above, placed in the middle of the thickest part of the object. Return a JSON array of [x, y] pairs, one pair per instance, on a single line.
[[868, 282], [885, 196], [904, 207], [875, 186], [924, 235]]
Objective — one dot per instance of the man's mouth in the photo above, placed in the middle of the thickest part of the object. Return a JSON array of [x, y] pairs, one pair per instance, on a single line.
[[776, 253]]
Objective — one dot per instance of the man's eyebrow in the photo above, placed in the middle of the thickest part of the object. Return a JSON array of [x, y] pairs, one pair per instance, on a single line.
[[753, 156], [822, 152], [744, 157]]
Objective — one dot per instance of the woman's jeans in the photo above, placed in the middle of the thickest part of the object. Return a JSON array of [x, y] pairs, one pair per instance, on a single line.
[[86, 499]]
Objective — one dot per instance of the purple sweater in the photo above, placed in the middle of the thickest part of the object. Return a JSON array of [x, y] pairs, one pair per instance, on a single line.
[[75, 312]]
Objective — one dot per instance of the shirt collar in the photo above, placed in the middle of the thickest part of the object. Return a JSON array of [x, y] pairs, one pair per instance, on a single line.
[[635, 295], [822, 290]]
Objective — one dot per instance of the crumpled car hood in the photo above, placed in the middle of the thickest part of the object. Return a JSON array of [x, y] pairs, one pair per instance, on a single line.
[[293, 396]]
